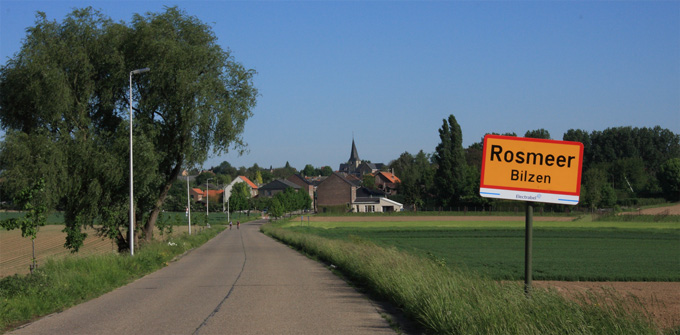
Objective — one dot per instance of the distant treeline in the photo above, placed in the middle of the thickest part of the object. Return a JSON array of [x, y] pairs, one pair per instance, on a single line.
[[622, 166]]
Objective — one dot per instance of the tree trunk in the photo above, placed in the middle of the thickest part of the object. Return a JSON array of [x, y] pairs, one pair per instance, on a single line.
[[122, 242], [151, 223]]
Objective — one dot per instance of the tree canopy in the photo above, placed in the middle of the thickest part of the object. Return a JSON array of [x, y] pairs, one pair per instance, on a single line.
[[451, 166], [67, 89], [240, 198]]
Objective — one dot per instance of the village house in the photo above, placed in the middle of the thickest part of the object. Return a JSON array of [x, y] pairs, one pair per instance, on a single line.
[[336, 192], [344, 193], [387, 182], [241, 179], [376, 204], [369, 168], [276, 186], [199, 195]]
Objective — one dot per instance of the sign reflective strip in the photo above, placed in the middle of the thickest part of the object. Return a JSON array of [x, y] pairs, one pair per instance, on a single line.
[[529, 196]]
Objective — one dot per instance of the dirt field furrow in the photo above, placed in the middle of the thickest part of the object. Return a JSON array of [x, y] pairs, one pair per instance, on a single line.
[[15, 251]]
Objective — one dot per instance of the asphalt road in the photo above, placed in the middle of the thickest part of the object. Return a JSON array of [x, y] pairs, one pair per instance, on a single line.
[[240, 282]]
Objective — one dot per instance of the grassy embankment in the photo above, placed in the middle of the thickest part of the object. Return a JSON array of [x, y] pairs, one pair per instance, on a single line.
[[453, 300], [64, 282]]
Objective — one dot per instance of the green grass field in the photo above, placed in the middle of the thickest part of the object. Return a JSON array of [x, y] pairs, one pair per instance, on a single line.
[[585, 251]]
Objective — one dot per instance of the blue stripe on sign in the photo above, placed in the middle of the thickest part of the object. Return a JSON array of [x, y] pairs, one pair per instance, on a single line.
[[568, 200], [489, 193]]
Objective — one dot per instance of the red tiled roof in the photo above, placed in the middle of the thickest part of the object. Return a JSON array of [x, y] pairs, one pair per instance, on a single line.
[[392, 178], [215, 193], [250, 183]]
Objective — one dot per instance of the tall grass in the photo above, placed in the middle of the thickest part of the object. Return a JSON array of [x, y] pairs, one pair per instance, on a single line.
[[67, 281], [450, 301]]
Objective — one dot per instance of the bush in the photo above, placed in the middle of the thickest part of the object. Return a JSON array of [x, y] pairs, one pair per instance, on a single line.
[[338, 209]]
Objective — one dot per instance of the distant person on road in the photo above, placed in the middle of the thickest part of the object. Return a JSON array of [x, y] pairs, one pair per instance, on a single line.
[[238, 224], [229, 225]]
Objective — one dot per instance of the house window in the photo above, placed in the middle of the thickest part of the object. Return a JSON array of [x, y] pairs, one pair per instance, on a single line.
[[370, 208]]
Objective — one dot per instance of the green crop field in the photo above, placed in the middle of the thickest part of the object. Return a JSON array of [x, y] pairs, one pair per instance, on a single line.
[[586, 251]]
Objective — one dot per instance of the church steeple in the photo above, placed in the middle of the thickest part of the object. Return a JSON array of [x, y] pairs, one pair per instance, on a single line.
[[354, 156]]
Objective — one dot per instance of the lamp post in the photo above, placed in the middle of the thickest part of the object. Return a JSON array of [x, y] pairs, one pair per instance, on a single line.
[[132, 205], [188, 201], [207, 201], [225, 199]]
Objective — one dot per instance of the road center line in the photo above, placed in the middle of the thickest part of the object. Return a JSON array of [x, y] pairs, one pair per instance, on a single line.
[[217, 309]]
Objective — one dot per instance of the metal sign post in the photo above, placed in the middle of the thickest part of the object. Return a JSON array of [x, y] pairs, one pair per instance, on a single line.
[[529, 222]]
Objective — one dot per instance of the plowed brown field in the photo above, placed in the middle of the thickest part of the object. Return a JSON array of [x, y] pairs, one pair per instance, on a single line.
[[15, 251], [660, 299], [668, 210]]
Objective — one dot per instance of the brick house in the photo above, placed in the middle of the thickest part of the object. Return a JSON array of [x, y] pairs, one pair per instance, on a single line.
[[387, 182], [336, 191], [344, 193]]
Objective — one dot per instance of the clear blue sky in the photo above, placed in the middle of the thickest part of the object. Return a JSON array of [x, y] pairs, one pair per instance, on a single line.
[[390, 72]]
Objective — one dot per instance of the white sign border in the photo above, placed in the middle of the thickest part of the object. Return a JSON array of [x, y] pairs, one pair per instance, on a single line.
[[552, 198]]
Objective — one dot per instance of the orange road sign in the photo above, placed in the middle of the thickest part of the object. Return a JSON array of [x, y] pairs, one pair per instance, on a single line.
[[529, 169]]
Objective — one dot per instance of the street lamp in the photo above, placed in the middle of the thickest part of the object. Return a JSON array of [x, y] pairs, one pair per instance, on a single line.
[[188, 200], [132, 206], [207, 201], [226, 199]]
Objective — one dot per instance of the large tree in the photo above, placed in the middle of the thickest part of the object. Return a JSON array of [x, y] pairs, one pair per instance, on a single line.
[[68, 87], [449, 157], [64, 90], [239, 199], [669, 176], [308, 171], [416, 174]]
